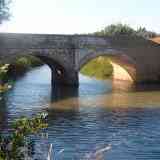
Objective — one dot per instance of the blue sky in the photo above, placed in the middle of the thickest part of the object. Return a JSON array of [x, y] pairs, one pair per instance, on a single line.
[[80, 16]]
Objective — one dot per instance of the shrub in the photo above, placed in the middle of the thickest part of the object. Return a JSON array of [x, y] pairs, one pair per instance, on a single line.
[[12, 146], [123, 29]]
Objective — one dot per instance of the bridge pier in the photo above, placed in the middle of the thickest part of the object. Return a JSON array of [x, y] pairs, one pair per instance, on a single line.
[[65, 79]]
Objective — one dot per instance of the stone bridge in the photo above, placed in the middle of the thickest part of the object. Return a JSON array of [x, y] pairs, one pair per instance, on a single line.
[[133, 58]]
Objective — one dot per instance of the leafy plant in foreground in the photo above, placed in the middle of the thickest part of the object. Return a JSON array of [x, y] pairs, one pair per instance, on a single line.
[[3, 76], [12, 146]]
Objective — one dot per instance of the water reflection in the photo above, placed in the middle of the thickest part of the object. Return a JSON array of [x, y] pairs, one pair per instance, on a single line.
[[59, 93], [136, 99], [128, 95], [64, 97]]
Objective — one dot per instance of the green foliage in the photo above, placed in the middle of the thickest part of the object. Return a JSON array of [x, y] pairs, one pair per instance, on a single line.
[[123, 29], [23, 64], [3, 71], [19, 67], [12, 147], [99, 68], [4, 10], [27, 62], [3, 76], [22, 61], [34, 62], [116, 29]]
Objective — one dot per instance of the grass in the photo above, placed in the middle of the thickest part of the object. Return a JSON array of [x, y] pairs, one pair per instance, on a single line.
[[99, 68]]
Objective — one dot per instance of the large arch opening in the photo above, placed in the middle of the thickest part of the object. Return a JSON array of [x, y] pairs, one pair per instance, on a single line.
[[99, 68], [103, 66]]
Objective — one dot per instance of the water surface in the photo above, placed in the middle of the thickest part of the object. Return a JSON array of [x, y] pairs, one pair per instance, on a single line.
[[94, 121]]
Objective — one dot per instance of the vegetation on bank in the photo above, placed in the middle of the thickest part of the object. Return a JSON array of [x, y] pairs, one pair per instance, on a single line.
[[23, 64], [99, 68], [14, 145], [4, 86], [9, 72]]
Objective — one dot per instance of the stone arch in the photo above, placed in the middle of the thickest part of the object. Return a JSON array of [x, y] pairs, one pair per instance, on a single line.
[[59, 71], [124, 67]]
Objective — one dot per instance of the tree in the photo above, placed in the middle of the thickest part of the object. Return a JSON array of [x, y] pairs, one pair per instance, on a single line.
[[123, 29], [116, 29], [4, 10]]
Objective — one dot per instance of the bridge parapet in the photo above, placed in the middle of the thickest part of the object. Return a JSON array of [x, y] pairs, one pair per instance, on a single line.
[[90, 42], [31, 41]]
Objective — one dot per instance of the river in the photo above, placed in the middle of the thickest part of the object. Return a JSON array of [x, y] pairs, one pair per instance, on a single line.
[[94, 121]]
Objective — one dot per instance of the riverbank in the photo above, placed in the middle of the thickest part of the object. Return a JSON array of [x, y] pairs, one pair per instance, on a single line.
[[99, 68]]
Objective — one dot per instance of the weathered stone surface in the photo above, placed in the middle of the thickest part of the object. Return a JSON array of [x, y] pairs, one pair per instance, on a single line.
[[66, 54]]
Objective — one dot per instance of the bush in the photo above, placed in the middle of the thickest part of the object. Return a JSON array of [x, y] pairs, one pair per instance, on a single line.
[[116, 29], [13, 147], [34, 62], [4, 86], [23, 64], [123, 29]]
